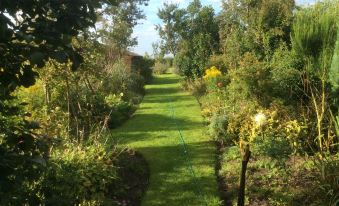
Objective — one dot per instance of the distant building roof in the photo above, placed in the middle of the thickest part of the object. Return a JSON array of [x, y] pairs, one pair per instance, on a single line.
[[132, 54]]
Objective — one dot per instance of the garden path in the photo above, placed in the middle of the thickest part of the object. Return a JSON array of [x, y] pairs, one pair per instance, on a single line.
[[153, 131]]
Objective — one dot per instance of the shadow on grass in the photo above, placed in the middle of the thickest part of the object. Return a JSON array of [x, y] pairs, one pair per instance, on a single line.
[[167, 184], [166, 99], [164, 79], [160, 123], [162, 91]]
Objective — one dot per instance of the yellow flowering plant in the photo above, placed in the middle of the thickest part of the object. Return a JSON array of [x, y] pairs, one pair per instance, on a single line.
[[212, 73]]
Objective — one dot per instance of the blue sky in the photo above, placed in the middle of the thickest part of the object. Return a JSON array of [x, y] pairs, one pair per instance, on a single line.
[[145, 31]]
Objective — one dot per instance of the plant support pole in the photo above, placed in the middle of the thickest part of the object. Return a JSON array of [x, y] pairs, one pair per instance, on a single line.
[[246, 154]]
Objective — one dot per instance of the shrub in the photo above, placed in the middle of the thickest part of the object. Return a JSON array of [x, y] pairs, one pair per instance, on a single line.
[[275, 147], [22, 155], [121, 80], [79, 174], [218, 129], [120, 110], [196, 87], [160, 67], [144, 66], [219, 62]]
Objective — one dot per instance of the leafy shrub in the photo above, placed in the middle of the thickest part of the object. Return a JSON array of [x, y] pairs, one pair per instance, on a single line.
[[219, 62], [77, 174], [144, 66], [275, 147], [120, 110], [22, 155], [135, 88], [218, 129], [160, 67], [196, 87]]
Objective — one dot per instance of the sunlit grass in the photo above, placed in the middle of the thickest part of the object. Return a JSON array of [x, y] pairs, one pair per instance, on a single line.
[[154, 133]]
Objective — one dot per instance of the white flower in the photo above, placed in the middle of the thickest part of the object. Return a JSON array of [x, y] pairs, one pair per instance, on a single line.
[[121, 94], [260, 119]]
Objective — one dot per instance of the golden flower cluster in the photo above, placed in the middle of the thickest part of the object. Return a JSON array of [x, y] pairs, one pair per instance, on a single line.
[[212, 72]]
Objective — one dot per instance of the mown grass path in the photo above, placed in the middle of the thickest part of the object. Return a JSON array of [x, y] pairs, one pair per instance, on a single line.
[[153, 132]]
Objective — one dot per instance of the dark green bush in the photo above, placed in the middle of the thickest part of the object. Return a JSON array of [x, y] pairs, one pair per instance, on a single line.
[[144, 66], [22, 155]]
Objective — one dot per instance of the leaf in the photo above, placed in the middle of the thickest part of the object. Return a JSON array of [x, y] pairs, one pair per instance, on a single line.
[[39, 160], [37, 58], [60, 56]]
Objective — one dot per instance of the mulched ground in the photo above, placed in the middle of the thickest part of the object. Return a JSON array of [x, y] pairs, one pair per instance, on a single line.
[[133, 179]]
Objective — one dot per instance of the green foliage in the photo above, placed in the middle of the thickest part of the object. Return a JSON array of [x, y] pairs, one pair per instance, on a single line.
[[50, 39], [334, 71], [79, 173], [218, 129], [118, 22], [190, 34], [120, 80], [144, 66], [32, 33], [160, 67], [219, 62], [27, 42], [169, 33], [23, 155], [248, 26], [282, 69], [196, 87], [120, 111], [286, 69], [272, 146], [328, 178], [314, 36]]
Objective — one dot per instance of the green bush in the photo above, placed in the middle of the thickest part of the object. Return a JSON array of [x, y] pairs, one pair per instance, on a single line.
[[196, 87], [218, 129], [79, 174], [275, 147], [22, 155], [120, 110], [160, 67], [219, 62], [144, 66]]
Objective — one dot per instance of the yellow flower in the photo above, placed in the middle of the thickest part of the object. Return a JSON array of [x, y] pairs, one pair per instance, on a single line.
[[212, 72]]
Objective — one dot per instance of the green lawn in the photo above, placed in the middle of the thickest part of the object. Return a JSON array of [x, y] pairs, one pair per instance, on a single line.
[[153, 132]]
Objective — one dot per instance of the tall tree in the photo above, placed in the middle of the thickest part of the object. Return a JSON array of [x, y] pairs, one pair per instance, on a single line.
[[199, 39], [118, 24], [171, 16], [250, 24]]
